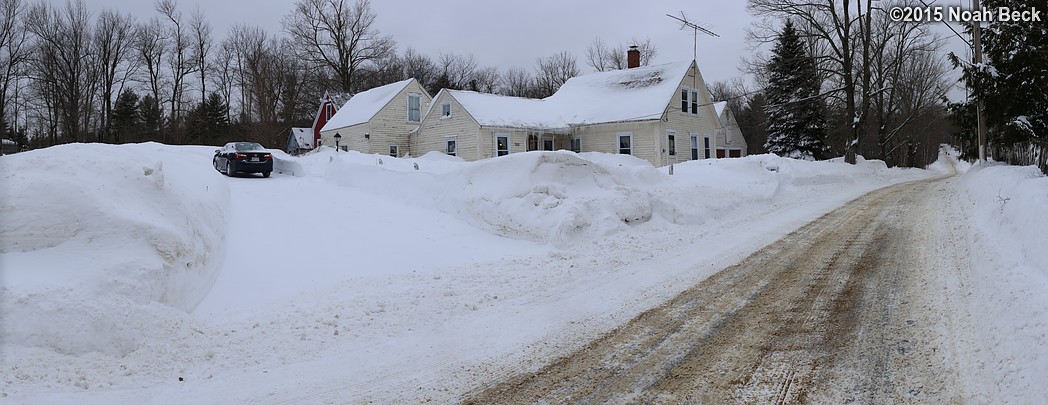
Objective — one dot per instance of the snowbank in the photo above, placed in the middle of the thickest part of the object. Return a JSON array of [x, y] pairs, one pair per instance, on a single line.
[[1007, 239], [376, 274], [564, 198], [92, 235]]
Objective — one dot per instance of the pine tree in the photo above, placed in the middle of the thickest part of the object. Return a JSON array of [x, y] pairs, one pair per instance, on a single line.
[[1013, 81], [796, 127], [151, 116], [123, 118]]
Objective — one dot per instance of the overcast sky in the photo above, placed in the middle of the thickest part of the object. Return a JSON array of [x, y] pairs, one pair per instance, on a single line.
[[512, 33], [515, 33]]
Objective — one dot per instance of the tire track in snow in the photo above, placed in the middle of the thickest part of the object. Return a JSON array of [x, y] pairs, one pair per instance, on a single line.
[[823, 315]]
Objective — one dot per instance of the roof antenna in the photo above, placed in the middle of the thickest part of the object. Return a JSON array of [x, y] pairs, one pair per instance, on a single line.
[[683, 19]]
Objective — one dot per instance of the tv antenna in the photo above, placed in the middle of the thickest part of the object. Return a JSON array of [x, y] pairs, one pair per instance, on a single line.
[[683, 19]]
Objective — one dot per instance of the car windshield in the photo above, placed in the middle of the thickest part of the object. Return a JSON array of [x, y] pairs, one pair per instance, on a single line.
[[248, 146]]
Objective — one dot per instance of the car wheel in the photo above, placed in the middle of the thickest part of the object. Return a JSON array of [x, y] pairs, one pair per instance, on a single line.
[[265, 174], [228, 173]]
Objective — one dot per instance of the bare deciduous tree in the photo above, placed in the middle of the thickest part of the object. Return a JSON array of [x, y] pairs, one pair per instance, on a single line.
[[202, 42], [517, 82], [179, 60], [13, 50], [338, 35], [112, 42], [602, 58], [151, 45], [419, 66], [63, 66], [553, 71]]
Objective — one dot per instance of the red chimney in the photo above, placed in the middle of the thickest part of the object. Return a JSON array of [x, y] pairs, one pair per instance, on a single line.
[[632, 57]]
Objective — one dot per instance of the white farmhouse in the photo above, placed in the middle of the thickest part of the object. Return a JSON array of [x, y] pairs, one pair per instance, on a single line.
[[378, 120], [659, 113]]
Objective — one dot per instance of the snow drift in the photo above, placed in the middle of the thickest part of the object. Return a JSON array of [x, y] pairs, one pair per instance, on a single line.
[[1007, 240], [93, 235]]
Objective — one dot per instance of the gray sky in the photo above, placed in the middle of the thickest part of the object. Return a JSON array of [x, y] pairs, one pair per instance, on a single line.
[[515, 33], [512, 33]]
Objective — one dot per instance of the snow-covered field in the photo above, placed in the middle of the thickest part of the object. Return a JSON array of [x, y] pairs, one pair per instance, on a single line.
[[143, 275]]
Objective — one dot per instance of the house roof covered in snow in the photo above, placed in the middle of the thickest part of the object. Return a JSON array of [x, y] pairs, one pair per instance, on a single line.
[[637, 94], [719, 106], [504, 111], [364, 105], [303, 136]]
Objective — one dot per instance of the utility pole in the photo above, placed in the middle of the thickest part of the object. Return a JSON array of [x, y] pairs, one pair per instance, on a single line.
[[683, 19], [980, 120]]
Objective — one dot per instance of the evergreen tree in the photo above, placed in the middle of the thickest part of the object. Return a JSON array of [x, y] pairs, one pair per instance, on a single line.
[[124, 119], [1013, 81], [207, 122], [796, 127], [151, 116]]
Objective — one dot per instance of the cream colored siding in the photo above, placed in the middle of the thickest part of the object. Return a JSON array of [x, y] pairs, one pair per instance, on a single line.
[[729, 135], [435, 129], [388, 127], [704, 123]]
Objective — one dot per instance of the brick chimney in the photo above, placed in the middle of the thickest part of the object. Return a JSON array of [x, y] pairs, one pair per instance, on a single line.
[[632, 57]]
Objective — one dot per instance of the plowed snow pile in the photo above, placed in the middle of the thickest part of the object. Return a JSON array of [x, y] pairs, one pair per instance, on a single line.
[[345, 278], [97, 240], [1008, 249]]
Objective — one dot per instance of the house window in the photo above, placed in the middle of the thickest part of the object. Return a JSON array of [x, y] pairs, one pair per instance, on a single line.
[[345, 148], [533, 142], [626, 143], [706, 143], [694, 146], [394, 150], [694, 102], [501, 144], [547, 144], [414, 107], [445, 110], [450, 145], [671, 141], [576, 144], [684, 100]]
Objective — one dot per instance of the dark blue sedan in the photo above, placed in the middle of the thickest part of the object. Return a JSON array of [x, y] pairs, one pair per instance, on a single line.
[[243, 157]]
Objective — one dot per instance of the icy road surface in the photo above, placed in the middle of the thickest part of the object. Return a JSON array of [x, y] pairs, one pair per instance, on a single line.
[[838, 311]]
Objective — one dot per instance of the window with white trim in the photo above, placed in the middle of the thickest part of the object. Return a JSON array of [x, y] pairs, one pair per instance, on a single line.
[[576, 144], [450, 145], [706, 143], [501, 144], [394, 150], [625, 143], [689, 100], [414, 107], [445, 109]]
